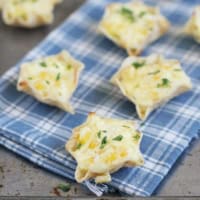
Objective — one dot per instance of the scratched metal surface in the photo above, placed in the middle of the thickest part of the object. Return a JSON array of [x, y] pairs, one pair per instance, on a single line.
[[18, 177]]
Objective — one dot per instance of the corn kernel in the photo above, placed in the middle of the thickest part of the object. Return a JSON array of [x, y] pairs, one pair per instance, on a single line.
[[123, 153], [111, 157], [84, 138], [167, 67], [43, 75], [57, 83], [92, 145], [90, 160], [39, 86], [156, 77], [155, 95]]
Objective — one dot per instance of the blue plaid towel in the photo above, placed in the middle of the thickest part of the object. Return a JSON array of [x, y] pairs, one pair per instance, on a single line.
[[38, 132]]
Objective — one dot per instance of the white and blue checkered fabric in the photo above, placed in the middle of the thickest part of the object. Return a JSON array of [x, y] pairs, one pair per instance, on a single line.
[[38, 132]]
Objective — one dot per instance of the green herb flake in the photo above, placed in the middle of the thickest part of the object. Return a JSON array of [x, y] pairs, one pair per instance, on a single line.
[[58, 77], [128, 14], [64, 187], [165, 83], [138, 65], [24, 16], [155, 72], [30, 78], [118, 138], [56, 66], [126, 126], [142, 13], [79, 145], [99, 134], [177, 70], [136, 137], [68, 67], [103, 142], [43, 64], [47, 82], [104, 131]]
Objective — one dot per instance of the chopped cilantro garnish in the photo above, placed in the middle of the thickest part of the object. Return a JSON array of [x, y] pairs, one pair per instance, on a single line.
[[118, 138], [103, 142], [99, 134], [165, 83], [142, 13], [177, 70], [136, 137], [47, 82], [126, 126], [128, 14], [78, 146], [153, 73], [126, 11], [58, 77], [68, 67], [138, 65], [43, 64], [56, 66], [24, 16], [64, 187]]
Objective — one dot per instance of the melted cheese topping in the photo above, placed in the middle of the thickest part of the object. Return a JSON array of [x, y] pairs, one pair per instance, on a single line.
[[102, 146], [28, 13], [133, 25], [151, 81], [193, 26], [52, 79]]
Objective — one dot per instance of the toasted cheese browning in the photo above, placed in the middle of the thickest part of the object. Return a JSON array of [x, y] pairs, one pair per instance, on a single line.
[[192, 27], [102, 146], [28, 13], [133, 25], [51, 80], [151, 81]]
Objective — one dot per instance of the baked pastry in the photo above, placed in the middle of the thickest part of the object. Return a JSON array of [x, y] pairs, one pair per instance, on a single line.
[[192, 27], [51, 80], [28, 13], [102, 146], [133, 25], [150, 81]]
